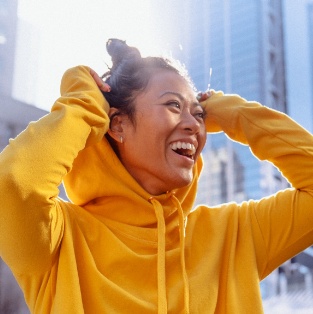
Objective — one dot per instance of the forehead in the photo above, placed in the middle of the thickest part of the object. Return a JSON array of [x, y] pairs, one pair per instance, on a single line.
[[164, 81]]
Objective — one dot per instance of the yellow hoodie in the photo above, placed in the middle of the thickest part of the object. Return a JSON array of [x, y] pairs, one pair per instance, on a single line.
[[116, 249]]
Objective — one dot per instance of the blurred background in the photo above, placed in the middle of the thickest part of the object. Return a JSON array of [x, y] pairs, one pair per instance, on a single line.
[[260, 49]]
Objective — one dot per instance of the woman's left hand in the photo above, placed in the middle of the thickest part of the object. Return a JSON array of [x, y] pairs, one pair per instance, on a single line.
[[203, 96]]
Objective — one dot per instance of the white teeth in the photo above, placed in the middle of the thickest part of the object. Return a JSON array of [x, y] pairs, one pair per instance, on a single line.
[[183, 145]]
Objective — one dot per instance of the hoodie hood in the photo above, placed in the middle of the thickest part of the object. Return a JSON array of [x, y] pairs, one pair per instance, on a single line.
[[98, 178], [99, 182]]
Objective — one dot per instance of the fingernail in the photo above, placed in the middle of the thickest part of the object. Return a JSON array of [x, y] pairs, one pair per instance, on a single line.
[[199, 96], [106, 87]]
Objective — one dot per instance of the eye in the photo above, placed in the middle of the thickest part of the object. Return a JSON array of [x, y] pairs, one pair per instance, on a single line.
[[200, 115], [174, 104]]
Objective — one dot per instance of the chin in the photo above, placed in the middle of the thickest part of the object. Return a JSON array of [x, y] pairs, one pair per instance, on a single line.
[[181, 182]]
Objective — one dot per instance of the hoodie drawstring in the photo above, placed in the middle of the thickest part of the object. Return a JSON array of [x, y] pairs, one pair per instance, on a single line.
[[182, 234], [162, 301]]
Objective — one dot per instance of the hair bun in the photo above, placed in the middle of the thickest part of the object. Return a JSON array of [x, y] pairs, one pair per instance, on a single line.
[[119, 50]]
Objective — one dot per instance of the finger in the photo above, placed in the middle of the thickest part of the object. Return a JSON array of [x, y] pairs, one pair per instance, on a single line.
[[102, 85], [203, 96]]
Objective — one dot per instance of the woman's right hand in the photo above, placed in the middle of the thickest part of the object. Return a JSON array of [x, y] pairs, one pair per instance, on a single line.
[[102, 85]]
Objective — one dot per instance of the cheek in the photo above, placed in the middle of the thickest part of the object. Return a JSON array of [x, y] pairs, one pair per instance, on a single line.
[[144, 140], [202, 138]]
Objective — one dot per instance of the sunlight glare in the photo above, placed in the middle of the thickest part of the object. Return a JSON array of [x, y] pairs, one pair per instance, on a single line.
[[74, 32]]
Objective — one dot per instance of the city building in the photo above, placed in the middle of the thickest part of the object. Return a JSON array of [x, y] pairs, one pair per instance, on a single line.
[[298, 43], [218, 168], [27, 63], [11, 298], [8, 24], [14, 117], [297, 277]]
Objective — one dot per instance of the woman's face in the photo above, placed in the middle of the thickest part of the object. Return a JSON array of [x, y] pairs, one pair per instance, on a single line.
[[160, 149]]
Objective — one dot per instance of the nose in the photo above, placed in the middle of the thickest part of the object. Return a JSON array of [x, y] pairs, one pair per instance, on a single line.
[[190, 123]]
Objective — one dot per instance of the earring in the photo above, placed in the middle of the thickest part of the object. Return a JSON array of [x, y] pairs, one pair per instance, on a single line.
[[121, 139]]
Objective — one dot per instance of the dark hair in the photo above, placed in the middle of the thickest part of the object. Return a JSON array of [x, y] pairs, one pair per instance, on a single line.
[[130, 74]]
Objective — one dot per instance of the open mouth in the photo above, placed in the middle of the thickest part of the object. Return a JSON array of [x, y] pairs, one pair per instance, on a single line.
[[184, 149]]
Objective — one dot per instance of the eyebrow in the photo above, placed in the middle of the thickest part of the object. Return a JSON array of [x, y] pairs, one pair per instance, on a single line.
[[180, 96]]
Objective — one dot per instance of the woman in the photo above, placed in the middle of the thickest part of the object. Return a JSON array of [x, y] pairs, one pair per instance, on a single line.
[[129, 241]]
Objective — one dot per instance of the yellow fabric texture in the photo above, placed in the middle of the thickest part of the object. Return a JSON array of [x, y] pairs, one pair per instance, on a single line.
[[117, 249]]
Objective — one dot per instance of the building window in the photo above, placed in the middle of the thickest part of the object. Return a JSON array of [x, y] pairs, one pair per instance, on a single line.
[[1, 65], [3, 4], [3, 37], [4, 9]]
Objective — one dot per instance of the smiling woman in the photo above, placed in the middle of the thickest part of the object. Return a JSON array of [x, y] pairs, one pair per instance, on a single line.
[[147, 151], [156, 152], [130, 240]]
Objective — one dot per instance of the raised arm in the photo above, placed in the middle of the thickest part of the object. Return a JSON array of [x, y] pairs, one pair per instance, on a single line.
[[33, 165], [270, 134], [284, 220]]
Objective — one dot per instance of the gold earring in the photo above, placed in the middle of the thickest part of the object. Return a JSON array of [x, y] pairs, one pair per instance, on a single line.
[[121, 139]]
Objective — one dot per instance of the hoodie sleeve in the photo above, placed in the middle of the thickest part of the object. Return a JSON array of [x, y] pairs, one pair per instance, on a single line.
[[33, 165], [285, 219]]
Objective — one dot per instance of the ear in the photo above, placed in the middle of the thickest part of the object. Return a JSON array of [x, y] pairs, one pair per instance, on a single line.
[[116, 130]]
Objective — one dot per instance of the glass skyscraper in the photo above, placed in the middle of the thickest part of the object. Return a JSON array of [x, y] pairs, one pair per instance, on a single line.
[[8, 23]]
